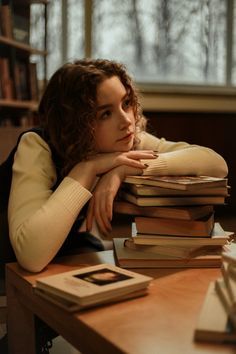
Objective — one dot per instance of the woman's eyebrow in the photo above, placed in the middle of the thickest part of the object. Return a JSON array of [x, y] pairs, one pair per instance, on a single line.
[[104, 106], [109, 105]]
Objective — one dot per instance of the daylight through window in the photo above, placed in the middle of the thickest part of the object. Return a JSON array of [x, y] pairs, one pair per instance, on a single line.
[[160, 41]]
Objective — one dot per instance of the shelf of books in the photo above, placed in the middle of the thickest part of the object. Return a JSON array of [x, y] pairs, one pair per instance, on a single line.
[[19, 86], [173, 222], [30, 105]]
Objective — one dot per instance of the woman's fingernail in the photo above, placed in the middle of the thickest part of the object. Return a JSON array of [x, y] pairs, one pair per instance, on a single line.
[[146, 165], [156, 155]]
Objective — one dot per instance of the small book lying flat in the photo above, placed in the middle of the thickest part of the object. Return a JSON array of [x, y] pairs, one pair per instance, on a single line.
[[91, 286], [72, 306]]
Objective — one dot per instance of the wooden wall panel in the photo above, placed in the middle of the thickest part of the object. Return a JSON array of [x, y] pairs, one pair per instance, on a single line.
[[217, 131]]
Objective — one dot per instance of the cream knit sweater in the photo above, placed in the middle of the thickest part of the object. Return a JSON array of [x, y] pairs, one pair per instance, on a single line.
[[40, 220]]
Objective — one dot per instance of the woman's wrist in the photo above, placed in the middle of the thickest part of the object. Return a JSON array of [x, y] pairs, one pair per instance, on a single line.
[[123, 171], [84, 173]]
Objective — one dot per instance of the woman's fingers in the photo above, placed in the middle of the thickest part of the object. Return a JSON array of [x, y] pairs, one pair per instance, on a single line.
[[134, 159], [103, 214], [100, 209], [90, 215], [142, 154]]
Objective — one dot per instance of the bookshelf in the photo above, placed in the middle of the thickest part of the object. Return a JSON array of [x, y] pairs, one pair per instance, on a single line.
[[19, 84]]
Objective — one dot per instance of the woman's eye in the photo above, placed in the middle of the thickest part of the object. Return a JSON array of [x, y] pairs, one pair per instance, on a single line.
[[105, 114], [127, 103]]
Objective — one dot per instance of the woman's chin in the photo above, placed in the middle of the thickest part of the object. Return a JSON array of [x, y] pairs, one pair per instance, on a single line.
[[125, 147]]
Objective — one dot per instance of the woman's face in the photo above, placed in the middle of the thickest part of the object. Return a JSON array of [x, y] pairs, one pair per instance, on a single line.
[[115, 124]]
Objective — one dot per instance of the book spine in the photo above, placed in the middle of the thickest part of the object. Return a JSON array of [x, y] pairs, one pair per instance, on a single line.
[[6, 20]]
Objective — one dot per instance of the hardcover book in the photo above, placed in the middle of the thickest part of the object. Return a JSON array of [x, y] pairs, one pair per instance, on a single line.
[[189, 183], [72, 306], [213, 323], [173, 251], [230, 283], [222, 292], [163, 226], [92, 286], [21, 28], [219, 237], [231, 270], [230, 257], [144, 190], [6, 19], [174, 212], [172, 200], [129, 258]]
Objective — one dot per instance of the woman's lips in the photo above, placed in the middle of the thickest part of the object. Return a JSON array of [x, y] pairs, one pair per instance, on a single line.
[[126, 137]]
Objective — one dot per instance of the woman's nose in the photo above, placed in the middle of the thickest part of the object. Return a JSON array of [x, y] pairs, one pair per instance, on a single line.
[[125, 118]]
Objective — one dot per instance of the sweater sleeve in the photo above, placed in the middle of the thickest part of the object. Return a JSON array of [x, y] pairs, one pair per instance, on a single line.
[[40, 219], [181, 158]]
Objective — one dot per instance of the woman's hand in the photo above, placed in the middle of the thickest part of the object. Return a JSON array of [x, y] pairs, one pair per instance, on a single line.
[[85, 172], [101, 204], [104, 162]]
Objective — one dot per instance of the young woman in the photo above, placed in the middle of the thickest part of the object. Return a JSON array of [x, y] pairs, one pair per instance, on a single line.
[[67, 174]]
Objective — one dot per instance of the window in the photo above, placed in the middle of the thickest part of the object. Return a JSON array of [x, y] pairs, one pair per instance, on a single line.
[[163, 41], [170, 42]]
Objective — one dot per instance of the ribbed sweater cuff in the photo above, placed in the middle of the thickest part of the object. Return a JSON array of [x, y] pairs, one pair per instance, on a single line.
[[72, 195], [156, 166]]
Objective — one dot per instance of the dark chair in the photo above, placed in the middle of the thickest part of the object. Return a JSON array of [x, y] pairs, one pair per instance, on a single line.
[[3, 318]]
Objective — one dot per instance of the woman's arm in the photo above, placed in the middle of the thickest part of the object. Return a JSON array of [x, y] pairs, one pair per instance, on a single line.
[[173, 159], [181, 158], [40, 219], [101, 204]]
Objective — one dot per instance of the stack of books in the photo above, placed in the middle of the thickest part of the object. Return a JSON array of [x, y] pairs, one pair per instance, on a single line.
[[175, 190], [217, 320], [174, 222]]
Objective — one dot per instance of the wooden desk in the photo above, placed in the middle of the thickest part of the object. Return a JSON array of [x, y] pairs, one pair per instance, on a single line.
[[161, 322]]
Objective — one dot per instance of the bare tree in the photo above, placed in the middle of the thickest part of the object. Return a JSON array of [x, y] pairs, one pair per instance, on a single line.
[[138, 33], [162, 48], [209, 40]]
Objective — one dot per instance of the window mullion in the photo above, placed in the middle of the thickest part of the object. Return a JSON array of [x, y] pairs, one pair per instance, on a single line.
[[88, 11], [64, 21], [229, 41]]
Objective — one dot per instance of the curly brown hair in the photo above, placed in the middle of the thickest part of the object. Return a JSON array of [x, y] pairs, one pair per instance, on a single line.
[[67, 110]]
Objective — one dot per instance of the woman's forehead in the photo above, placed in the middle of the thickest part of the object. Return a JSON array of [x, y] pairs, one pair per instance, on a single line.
[[109, 88]]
